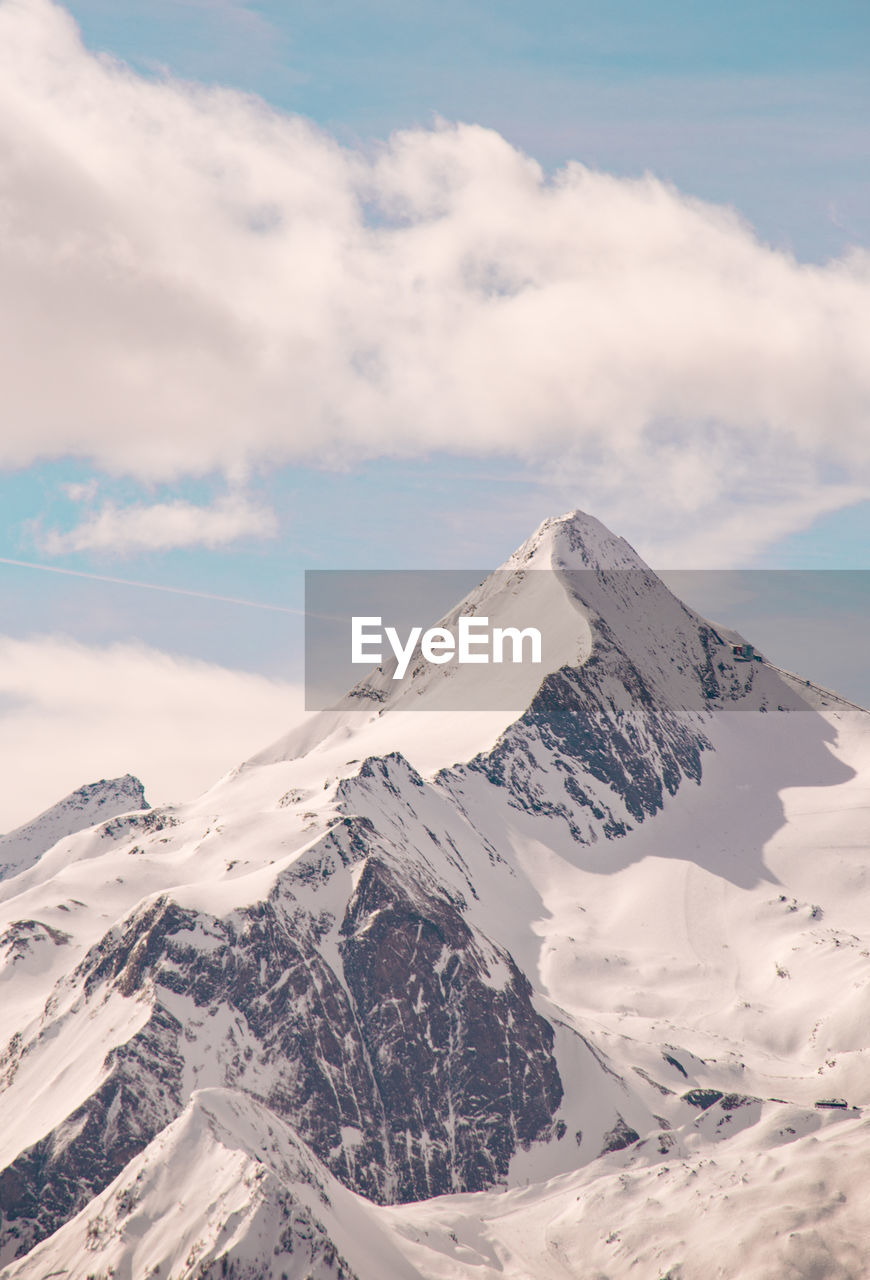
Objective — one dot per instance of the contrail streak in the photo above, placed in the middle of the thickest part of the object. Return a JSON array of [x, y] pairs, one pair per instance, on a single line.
[[151, 586]]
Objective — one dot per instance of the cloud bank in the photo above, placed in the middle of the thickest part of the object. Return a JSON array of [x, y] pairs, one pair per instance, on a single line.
[[192, 281], [88, 712]]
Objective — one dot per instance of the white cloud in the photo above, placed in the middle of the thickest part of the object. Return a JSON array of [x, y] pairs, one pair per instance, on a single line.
[[193, 281], [163, 526], [84, 491], [72, 713]]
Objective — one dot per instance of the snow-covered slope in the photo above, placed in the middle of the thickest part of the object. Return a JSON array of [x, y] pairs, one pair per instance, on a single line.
[[81, 809], [251, 1191], [579, 971]]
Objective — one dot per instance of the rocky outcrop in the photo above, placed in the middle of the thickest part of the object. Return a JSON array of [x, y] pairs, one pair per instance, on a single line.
[[596, 748], [401, 1046], [462, 1063], [51, 1180]]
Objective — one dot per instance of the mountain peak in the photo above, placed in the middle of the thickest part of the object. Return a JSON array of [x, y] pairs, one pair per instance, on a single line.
[[588, 592], [87, 805], [575, 540], [387, 969]]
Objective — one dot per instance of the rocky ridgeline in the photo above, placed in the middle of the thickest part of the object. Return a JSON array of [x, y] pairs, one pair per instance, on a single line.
[[408, 1068], [88, 805]]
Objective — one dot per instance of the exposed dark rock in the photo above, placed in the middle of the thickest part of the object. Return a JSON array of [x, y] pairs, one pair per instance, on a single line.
[[463, 1063], [702, 1098], [621, 1135], [23, 936], [57, 1176], [731, 1101], [424, 1043], [576, 728], [645, 1075], [677, 1065]]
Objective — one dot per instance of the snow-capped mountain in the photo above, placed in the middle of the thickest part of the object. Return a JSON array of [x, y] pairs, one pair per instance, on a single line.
[[88, 805], [580, 971]]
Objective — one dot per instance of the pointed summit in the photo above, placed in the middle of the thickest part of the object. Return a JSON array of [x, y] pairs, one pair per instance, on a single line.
[[594, 601], [575, 540], [82, 808]]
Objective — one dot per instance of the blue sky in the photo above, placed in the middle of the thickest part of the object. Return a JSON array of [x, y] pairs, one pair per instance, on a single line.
[[760, 108], [763, 106]]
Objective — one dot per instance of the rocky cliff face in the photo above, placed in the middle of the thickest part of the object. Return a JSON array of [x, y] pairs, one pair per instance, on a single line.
[[612, 761], [462, 1064], [402, 1046], [55, 1177]]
